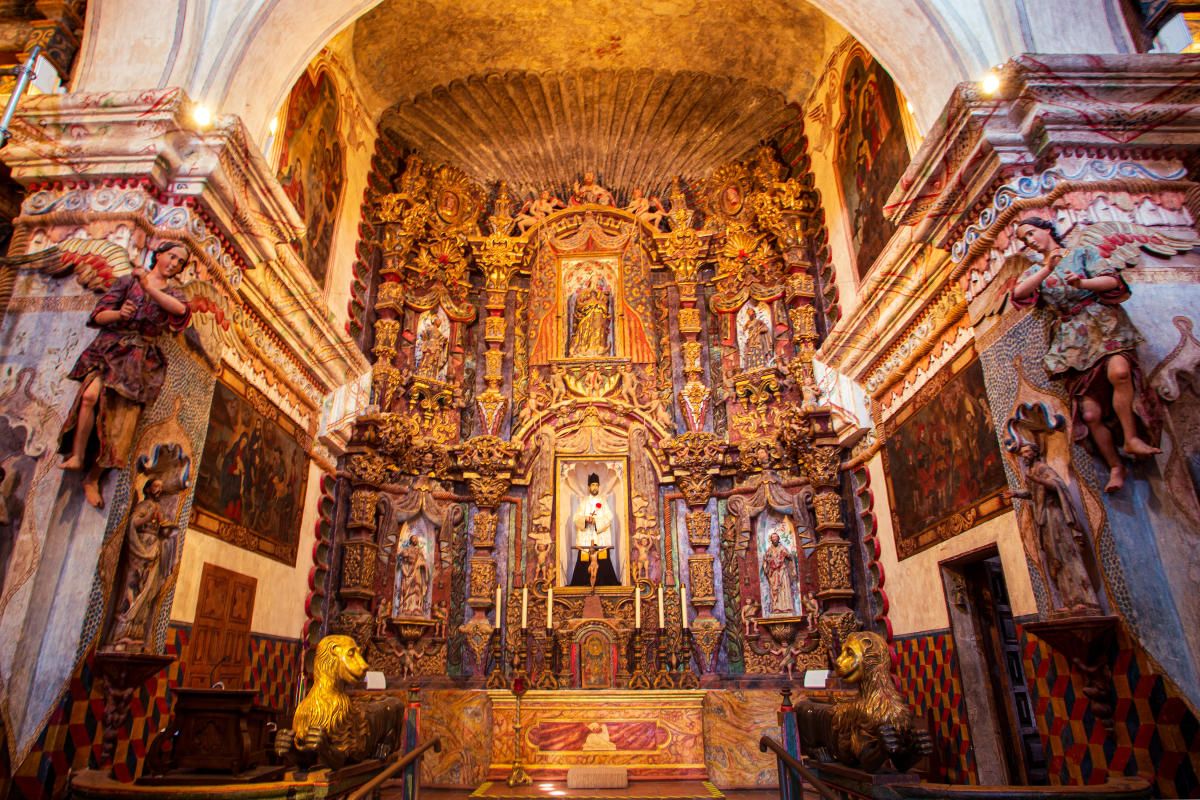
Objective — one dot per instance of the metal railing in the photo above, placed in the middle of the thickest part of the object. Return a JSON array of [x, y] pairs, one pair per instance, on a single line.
[[791, 771], [402, 762]]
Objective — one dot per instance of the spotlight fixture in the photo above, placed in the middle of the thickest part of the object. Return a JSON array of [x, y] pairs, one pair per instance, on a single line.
[[202, 115], [990, 82]]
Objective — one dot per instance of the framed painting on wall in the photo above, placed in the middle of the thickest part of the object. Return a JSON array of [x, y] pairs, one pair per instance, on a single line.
[[250, 489], [945, 473]]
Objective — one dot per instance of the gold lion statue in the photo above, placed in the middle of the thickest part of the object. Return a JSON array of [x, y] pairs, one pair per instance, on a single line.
[[331, 728], [874, 727]]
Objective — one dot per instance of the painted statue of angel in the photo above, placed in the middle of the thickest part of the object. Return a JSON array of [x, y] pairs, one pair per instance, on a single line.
[[1094, 341], [647, 209], [537, 209], [122, 371]]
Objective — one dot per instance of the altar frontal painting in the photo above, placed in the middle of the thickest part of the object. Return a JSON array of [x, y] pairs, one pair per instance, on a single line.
[[945, 471], [252, 476]]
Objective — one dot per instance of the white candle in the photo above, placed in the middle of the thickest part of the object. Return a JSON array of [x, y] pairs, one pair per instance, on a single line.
[[524, 607], [661, 625], [682, 605], [497, 605], [637, 608], [550, 607]]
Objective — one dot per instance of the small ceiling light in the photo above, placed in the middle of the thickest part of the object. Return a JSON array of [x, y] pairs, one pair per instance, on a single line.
[[990, 82], [274, 126], [201, 115]]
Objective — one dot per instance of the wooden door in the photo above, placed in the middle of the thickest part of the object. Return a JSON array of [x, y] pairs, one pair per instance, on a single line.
[[220, 646]]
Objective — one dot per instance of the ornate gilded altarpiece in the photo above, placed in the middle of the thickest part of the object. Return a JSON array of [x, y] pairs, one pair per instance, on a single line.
[[555, 378]]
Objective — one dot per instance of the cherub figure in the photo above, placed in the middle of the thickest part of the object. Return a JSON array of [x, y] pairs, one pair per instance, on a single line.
[[648, 210], [642, 543], [812, 611], [1093, 346], [408, 659], [749, 612], [537, 209]]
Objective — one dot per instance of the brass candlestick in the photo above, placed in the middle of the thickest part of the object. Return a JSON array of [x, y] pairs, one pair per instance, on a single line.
[[662, 679], [545, 678], [639, 679], [496, 676], [687, 678]]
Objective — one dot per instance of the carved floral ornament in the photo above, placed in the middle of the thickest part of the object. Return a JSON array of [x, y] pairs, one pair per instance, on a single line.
[[696, 451]]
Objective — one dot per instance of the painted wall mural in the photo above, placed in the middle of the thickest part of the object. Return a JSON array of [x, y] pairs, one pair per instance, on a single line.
[[252, 475], [312, 166], [945, 471], [872, 154]]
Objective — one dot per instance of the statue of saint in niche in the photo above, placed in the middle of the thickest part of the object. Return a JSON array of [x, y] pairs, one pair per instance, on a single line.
[[591, 321], [413, 579], [593, 523], [779, 568], [433, 336], [754, 335], [1060, 529], [591, 515]]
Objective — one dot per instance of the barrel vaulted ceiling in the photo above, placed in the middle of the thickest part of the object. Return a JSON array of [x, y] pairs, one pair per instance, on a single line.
[[536, 93]]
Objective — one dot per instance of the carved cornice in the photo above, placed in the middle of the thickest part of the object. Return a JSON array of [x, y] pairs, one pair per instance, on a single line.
[[241, 221]]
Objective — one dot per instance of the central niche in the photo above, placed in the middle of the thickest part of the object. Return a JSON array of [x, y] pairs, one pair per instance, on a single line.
[[592, 520]]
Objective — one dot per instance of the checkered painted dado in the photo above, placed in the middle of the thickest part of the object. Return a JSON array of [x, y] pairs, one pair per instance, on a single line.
[[72, 737], [1155, 734], [929, 677]]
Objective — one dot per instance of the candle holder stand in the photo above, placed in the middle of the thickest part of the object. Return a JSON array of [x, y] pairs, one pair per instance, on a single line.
[[545, 678], [638, 680], [687, 678], [496, 678], [662, 679], [518, 776]]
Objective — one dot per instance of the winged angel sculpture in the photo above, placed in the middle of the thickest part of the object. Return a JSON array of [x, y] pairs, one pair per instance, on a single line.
[[122, 371], [1093, 343]]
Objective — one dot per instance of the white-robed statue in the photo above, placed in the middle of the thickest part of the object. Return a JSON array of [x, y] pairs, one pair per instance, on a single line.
[[593, 522]]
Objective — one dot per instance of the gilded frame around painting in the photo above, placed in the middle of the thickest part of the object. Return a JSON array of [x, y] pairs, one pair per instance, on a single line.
[[945, 472], [250, 438]]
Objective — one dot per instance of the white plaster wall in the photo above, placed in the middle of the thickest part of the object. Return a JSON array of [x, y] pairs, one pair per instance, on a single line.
[[914, 586], [279, 596]]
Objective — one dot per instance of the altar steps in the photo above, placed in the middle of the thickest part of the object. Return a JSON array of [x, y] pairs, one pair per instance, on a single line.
[[638, 790]]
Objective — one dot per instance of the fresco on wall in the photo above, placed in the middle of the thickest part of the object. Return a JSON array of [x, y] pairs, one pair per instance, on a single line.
[[312, 166], [871, 155], [945, 472], [250, 491]]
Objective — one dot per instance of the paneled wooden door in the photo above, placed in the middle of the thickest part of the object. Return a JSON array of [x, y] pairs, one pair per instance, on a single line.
[[220, 646]]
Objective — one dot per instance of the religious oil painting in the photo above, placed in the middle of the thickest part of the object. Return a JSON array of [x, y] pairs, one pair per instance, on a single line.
[[872, 154], [755, 342], [588, 306], [783, 564], [312, 167], [250, 490], [945, 471], [591, 515]]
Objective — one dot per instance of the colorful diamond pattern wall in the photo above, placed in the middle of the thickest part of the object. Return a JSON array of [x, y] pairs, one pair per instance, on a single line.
[[1155, 733], [72, 738], [930, 680]]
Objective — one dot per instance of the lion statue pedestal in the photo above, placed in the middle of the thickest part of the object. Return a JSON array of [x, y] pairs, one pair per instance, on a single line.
[[331, 728]]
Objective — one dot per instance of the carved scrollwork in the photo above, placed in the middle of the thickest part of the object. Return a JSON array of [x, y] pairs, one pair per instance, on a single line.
[[697, 450], [833, 565], [828, 507], [759, 454], [362, 508], [699, 528], [487, 455]]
